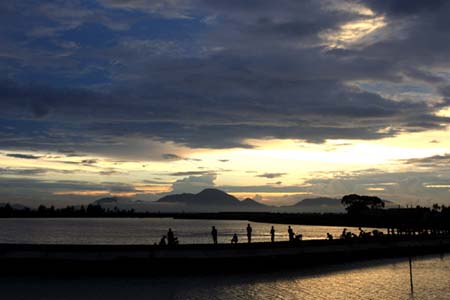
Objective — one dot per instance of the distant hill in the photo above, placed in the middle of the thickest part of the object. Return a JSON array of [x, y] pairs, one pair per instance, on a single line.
[[125, 203], [324, 204], [208, 200], [207, 197], [249, 203], [15, 206], [321, 201], [106, 200], [320, 204], [213, 200]]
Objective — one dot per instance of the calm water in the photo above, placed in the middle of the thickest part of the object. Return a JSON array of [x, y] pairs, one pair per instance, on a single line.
[[143, 231], [380, 279]]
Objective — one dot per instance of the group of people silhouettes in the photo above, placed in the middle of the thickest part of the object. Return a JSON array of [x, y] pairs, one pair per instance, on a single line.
[[235, 239], [170, 239], [348, 235]]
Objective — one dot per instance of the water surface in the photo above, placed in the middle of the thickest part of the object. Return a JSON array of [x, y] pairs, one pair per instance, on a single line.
[[144, 231], [386, 279], [377, 279]]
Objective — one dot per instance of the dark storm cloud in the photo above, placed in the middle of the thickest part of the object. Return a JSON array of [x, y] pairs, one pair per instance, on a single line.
[[404, 7], [89, 162], [23, 171], [271, 175], [313, 114], [193, 173], [435, 161], [171, 156], [9, 171], [69, 153], [264, 189], [250, 70], [158, 182], [63, 185], [23, 156], [36, 191], [110, 173], [419, 41]]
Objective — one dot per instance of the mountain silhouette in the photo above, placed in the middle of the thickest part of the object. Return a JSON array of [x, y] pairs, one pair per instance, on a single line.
[[15, 206], [312, 205], [207, 197], [215, 200], [321, 201], [106, 200], [250, 203]]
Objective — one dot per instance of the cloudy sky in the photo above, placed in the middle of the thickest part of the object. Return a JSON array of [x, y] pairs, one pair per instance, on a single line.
[[277, 100]]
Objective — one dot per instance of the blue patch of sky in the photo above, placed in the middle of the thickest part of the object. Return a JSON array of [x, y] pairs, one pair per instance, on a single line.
[[174, 29], [92, 34], [93, 76], [21, 126], [45, 44]]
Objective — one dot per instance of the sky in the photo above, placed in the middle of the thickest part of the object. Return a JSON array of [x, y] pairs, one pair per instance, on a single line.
[[273, 100]]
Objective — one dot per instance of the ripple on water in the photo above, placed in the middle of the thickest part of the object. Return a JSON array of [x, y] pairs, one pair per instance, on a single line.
[[379, 279], [384, 279]]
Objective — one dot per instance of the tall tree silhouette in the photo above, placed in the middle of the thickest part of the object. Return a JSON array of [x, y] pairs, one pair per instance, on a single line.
[[355, 204]]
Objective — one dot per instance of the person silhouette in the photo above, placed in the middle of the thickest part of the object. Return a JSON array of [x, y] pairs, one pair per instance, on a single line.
[[272, 234], [171, 240], [291, 234], [214, 234], [234, 239], [249, 233], [162, 242]]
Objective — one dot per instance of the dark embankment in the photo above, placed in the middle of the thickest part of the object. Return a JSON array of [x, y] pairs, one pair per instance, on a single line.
[[188, 259]]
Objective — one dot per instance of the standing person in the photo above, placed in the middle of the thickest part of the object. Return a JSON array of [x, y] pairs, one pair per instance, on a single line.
[[291, 234], [162, 242], [272, 234], [170, 237], [214, 234], [249, 233]]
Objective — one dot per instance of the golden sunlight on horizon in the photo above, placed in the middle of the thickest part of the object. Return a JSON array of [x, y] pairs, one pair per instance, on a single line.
[[270, 166]]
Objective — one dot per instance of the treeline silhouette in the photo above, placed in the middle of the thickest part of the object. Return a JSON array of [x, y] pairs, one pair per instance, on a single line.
[[89, 211]]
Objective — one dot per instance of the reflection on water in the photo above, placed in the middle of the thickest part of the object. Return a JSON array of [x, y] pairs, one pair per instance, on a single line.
[[380, 279], [144, 231]]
